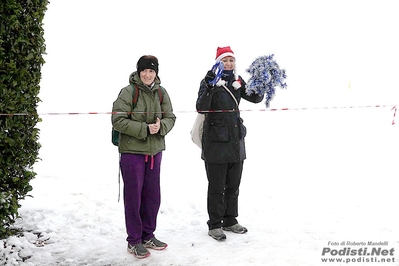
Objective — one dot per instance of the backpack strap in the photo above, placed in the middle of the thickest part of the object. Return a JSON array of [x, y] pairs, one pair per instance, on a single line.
[[160, 94], [119, 178], [135, 96]]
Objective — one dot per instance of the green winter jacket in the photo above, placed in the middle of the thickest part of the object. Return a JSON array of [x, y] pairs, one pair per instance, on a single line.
[[134, 136]]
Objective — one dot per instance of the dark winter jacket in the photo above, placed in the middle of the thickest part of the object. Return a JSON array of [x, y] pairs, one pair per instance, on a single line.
[[134, 137], [224, 131]]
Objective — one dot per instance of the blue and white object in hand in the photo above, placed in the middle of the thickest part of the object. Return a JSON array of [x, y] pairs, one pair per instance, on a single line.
[[217, 69], [266, 75]]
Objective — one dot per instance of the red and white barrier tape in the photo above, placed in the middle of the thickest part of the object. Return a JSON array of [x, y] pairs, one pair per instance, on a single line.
[[394, 108]]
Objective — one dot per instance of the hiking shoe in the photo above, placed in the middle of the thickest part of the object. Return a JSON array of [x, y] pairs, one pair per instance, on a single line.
[[138, 250], [237, 228], [217, 234], [154, 244]]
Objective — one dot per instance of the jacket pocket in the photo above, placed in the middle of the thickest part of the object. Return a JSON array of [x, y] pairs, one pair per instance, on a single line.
[[129, 143], [243, 129], [219, 131]]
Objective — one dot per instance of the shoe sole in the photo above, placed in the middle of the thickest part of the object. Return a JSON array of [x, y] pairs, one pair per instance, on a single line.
[[234, 231], [139, 256], [221, 238]]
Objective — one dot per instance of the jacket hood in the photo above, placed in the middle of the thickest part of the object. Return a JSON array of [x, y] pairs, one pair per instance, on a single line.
[[135, 78]]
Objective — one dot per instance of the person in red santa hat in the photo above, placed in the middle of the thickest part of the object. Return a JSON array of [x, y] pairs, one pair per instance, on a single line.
[[223, 145]]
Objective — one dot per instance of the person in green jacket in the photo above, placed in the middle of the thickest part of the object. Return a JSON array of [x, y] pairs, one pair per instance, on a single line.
[[141, 142]]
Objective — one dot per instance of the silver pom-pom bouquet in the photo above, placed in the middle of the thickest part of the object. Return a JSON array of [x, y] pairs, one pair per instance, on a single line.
[[266, 75]]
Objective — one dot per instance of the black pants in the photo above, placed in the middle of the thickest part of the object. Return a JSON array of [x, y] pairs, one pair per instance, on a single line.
[[223, 189]]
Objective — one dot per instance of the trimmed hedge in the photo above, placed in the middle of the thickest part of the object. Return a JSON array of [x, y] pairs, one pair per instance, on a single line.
[[21, 48]]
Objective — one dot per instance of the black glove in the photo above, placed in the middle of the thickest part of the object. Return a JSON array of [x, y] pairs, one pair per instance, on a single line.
[[209, 77], [243, 83]]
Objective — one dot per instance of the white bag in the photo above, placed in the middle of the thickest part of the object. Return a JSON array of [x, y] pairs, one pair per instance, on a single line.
[[196, 131]]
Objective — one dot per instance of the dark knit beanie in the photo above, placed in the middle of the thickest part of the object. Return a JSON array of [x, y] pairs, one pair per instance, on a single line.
[[147, 62]]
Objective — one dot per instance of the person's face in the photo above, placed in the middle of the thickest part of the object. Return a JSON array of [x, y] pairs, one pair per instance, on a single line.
[[229, 62], [147, 76]]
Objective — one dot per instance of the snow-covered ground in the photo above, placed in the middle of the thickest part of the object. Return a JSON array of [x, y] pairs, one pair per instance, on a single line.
[[313, 177]]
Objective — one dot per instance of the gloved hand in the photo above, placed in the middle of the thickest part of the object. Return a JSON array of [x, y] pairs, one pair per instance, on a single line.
[[209, 77], [242, 82]]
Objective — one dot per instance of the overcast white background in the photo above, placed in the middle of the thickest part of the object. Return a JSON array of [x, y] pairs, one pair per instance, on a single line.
[[311, 176]]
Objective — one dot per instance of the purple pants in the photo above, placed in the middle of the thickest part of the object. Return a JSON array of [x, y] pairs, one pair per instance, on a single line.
[[141, 194]]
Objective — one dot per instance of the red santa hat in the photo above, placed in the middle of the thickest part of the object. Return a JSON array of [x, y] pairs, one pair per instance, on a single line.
[[222, 52]]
